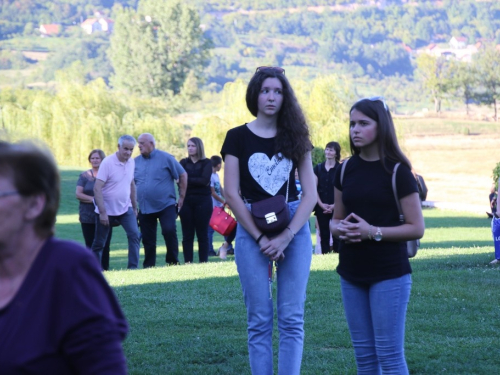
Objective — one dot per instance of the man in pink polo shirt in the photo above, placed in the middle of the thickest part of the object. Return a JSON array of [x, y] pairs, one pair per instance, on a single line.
[[115, 198]]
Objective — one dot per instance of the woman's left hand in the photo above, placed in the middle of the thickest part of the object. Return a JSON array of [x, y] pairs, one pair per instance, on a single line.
[[353, 232], [274, 248]]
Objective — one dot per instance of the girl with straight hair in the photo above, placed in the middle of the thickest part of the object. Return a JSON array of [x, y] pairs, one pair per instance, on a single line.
[[260, 159], [374, 270], [197, 208]]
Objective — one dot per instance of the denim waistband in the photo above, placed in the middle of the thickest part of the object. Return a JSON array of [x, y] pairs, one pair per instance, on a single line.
[[290, 199]]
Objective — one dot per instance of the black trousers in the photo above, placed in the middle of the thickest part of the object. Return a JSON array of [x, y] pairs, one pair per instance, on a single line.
[[88, 231], [148, 224], [195, 216], [324, 232]]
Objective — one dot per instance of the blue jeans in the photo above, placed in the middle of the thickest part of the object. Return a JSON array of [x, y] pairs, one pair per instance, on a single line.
[[376, 315], [129, 223], [148, 224], [292, 277]]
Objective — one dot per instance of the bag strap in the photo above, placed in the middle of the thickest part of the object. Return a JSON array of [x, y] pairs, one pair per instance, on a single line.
[[287, 186], [342, 170], [395, 191]]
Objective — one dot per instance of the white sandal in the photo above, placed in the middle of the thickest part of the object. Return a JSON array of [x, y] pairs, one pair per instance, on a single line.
[[222, 252]]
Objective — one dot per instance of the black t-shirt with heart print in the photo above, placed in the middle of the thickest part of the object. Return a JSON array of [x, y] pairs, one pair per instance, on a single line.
[[263, 174]]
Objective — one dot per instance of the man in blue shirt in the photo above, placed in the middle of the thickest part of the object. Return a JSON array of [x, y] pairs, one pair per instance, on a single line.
[[156, 173]]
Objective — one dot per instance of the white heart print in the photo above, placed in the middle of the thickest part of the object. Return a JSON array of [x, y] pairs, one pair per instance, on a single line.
[[272, 173]]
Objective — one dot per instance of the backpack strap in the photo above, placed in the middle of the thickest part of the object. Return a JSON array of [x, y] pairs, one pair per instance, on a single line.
[[395, 191], [342, 171]]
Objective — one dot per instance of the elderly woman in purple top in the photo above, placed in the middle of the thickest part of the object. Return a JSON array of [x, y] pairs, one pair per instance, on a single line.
[[57, 313]]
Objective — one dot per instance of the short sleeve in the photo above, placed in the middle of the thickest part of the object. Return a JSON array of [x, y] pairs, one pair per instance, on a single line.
[[316, 169], [231, 144], [103, 172], [175, 167], [82, 180], [406, 183], [178, 168], [336, 181]]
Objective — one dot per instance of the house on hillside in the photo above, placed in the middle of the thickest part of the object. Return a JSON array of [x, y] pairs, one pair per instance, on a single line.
[[457, 49], [458, 42], [91, 25], [49, 29]]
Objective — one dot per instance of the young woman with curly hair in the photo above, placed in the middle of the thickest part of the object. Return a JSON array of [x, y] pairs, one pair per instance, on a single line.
[[260, 160]]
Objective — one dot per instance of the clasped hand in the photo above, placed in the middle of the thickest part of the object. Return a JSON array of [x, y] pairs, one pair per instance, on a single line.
[[352, 232], [327, 208], [274, 248]]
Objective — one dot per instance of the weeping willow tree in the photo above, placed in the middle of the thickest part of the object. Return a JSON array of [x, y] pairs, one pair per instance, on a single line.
[[80, 117]]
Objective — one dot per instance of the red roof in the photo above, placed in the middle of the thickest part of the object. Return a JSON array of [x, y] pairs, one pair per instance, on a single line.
[[49, 29]]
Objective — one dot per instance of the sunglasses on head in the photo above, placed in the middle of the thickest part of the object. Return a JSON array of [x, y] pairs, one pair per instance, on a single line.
[[377, 99], [275, 69]]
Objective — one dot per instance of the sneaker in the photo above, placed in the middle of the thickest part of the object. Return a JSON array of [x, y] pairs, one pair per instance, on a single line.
[[495, 261], [230, 251], [212, 254]]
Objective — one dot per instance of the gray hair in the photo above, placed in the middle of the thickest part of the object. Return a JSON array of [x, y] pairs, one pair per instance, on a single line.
[[150, 136], [126, 138]]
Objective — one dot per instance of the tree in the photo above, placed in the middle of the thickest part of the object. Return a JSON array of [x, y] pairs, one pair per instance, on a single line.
[[488, 65], [464, 80], [154, 49], [435, 76]]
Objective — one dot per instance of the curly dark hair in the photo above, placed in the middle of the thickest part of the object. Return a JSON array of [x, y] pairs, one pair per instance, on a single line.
[[388, 146], [292, 137]]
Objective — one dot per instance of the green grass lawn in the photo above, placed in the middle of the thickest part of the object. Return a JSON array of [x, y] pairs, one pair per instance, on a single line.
[[191, 319]]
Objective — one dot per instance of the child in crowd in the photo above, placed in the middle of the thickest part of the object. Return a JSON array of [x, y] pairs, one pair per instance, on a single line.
[[217, 197]]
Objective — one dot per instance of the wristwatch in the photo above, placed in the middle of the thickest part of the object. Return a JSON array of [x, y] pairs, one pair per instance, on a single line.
[[378, 235]]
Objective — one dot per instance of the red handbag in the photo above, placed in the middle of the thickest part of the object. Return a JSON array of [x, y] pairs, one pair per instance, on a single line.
[[221, 221]]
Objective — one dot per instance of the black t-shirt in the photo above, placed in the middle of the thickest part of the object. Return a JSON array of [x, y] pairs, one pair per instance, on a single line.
[[262, 173], [325, 182], [367, 191]]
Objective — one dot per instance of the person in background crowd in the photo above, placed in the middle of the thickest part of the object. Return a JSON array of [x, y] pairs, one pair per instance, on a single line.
[[155, 175], [85, 194], [58, 315], [375, 273], [495, 210], [325, 173], [260, 159], [197, 209], [297, 183], [217, 197], [115, 198], [493, 201]]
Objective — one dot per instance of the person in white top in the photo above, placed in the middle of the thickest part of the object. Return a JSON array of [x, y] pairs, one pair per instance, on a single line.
[[115, 199]]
